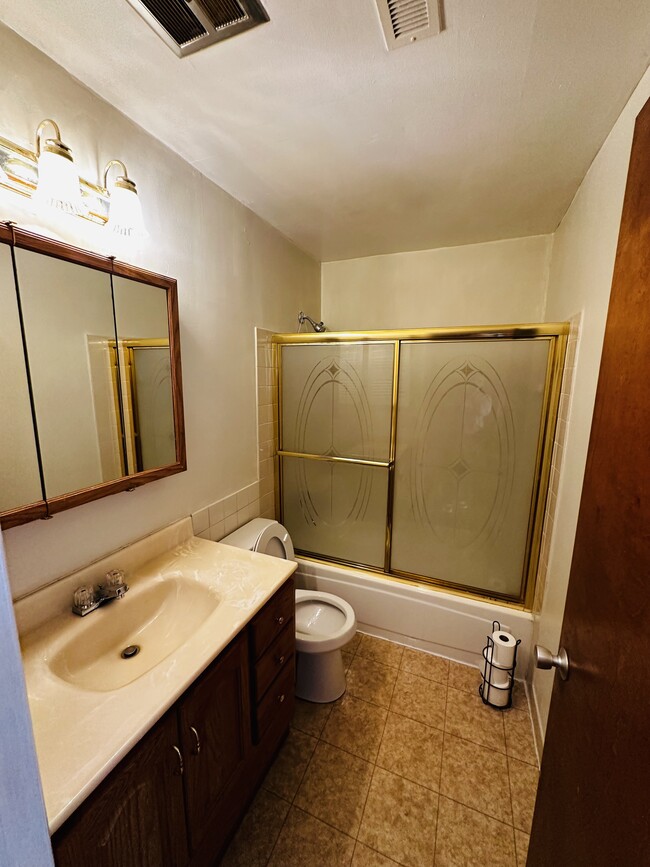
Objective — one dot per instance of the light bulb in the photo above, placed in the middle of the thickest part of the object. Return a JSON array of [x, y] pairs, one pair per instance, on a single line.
[[58, 182], [125, 211]]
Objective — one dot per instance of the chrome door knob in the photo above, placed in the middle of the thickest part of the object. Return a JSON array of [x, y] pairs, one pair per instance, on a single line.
[[545, 659]]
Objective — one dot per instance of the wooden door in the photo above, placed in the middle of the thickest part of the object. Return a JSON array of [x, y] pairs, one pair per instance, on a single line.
[[136, 818], [216, 735], [593, 805]]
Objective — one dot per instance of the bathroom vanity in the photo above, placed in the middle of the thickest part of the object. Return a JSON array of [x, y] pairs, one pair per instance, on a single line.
[[158, 770]]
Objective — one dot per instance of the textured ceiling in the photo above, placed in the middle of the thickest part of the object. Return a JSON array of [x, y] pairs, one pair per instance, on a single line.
[[481, 133]]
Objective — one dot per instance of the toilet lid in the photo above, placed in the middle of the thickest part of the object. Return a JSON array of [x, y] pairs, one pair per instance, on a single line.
[[275, 541]]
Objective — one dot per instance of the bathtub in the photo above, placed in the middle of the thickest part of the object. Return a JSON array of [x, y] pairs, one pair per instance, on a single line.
[[416, 616]]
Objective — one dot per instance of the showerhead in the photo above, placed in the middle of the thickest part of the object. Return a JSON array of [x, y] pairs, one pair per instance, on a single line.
[[318, 327]]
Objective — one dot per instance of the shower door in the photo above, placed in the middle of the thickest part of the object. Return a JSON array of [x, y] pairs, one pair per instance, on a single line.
[[336, 445], [422, 454], [468, 437]]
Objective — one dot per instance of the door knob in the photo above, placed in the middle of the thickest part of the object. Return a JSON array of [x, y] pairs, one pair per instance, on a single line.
[[545, 659]]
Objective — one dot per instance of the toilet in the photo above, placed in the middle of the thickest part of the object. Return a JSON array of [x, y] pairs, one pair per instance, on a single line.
[[324, 622]]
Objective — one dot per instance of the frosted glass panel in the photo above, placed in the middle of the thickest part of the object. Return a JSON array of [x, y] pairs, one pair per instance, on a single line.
[[337, 510], [467, 437], [336, 400]]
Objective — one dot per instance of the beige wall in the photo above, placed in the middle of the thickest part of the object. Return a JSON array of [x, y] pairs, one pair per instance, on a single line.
[[479, 284], [580, 280], [234, 272]]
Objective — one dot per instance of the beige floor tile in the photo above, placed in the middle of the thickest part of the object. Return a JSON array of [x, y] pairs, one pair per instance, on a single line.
[[521, 845], [366, 857], [519, 736], [356, 726], [477, 777], [412, 750], [467, 717], [523, 788], [466, 838], [287, 770], [386, 652], [519, 699], [399, 820], [305, 840], [335, 788], [464, 677], [347, 659], [353, 643], [425, 665], [420, 699], [371, 681], [310, 717], [257, 834]]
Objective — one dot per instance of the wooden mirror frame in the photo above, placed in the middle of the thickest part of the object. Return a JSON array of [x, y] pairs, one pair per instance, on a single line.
[[48, 507]]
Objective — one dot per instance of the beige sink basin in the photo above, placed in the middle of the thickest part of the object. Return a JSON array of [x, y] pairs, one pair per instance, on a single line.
[[158, 618]]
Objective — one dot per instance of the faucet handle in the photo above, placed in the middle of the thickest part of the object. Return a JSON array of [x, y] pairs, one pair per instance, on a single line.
[[115, 578], [84, 600]]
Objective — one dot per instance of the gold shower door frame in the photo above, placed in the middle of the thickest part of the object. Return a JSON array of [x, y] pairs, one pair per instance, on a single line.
[[555, 333]]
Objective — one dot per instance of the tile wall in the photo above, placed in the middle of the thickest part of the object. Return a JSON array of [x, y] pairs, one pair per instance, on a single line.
[[224, 516]]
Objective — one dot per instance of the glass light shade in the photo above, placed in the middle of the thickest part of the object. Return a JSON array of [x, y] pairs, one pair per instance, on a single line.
[[125, 213], [58, 184]]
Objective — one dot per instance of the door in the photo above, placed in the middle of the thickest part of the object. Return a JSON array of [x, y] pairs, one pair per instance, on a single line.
[[136, 818], [593, 806], [216, 736]]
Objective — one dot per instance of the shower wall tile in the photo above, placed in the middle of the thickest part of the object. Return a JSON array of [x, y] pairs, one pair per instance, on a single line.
[[224, 516]]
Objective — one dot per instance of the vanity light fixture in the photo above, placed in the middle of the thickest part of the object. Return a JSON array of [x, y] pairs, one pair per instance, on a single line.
[[58, 183], [124, 210]]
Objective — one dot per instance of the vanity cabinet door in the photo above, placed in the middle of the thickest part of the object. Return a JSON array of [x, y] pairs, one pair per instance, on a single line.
[[216, 736], [136, 817]]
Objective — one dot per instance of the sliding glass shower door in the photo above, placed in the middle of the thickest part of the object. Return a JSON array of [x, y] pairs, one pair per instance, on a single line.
[[423, 454]]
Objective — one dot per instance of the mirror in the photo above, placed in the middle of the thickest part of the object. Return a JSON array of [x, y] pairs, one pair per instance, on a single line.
[[20, 482], [98, 344]]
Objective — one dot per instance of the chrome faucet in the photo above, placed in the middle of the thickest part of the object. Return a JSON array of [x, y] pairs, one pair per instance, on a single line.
[[85, 599]]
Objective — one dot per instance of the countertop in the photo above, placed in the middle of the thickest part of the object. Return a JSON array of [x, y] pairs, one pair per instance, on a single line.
[[82, 734]]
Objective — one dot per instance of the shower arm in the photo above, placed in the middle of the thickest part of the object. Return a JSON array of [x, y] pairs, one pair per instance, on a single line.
[[318, 327]]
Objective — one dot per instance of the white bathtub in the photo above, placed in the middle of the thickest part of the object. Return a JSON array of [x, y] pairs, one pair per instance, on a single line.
[[421, 617]]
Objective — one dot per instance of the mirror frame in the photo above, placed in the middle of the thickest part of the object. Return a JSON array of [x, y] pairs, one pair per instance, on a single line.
[[48, 507]]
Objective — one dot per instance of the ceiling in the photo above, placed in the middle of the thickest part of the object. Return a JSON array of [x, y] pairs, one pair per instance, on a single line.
[[481, 133]]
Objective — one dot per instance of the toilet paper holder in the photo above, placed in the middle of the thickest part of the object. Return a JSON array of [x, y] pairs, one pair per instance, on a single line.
[[494, 694]]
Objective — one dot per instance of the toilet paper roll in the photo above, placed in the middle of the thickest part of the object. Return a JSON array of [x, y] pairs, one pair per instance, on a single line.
[[496, 697], [502, 657]]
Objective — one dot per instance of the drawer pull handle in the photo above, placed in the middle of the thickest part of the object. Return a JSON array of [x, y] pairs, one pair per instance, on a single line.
[[197, 742], [280, 620], [179, 772], [281, 698], [281, 660]]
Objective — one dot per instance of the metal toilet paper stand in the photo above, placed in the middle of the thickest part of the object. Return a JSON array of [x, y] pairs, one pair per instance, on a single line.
[[489, 666]]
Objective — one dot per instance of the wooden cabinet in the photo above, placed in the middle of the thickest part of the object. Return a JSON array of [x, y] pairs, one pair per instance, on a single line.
[[216, 735], [136, 818], [178, 796]]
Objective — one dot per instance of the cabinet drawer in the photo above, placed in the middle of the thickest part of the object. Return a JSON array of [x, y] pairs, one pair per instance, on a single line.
[[274, 658], [268, 624], [277, 705]]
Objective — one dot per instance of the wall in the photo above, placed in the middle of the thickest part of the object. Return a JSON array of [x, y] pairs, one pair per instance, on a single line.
[[234, 272], [580, 279], [478, 284]]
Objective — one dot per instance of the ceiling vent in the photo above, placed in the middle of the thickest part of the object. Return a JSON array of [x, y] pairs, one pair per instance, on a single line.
[[406, 21], [190, 25]]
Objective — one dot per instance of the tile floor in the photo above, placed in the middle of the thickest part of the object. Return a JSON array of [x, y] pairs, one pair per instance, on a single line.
[[408, 768]]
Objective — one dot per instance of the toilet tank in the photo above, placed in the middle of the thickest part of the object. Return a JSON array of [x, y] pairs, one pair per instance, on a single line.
[[263, 535]]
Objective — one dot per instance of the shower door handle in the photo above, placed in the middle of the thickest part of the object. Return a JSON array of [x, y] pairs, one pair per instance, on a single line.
[[545, 659]]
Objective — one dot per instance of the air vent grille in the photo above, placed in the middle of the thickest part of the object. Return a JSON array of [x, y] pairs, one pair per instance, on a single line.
[[176, 18], [224, 13], [189, 25], [406, 21]]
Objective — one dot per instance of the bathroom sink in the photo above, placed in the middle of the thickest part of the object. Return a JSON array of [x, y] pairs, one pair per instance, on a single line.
[[149, 623]]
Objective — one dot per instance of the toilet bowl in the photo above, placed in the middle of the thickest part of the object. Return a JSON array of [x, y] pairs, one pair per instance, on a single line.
[[324, 622]]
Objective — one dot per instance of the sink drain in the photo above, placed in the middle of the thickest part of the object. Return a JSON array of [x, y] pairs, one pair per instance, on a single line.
[[131, 650]]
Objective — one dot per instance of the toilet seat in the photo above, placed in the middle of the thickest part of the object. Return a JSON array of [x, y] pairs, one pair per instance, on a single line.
[[324, 622], [264, 536]]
